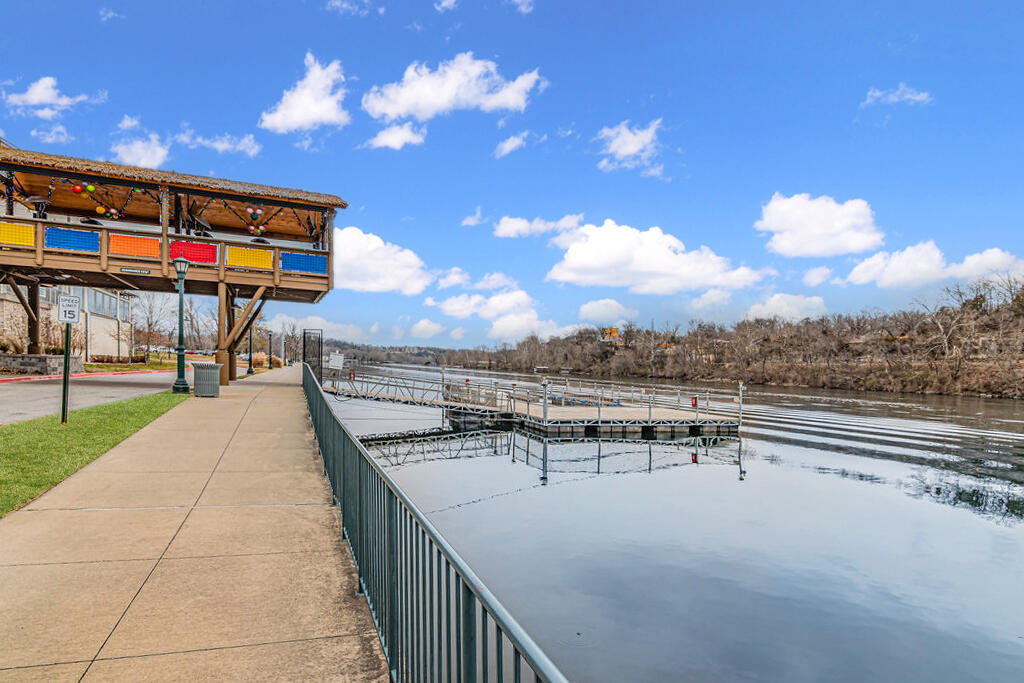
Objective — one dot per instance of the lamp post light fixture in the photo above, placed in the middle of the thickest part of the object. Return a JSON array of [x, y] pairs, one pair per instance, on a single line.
[[250, 371], [181, 268]]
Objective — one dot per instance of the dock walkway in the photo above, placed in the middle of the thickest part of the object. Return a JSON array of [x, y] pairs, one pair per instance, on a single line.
[[203, 547]]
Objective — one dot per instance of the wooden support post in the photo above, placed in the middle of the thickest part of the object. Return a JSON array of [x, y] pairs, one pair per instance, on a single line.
[[277, 266], [40, 242], [222, 250], [33, 319], [222, 323], [104, 249], [165, 217], [232, 359]]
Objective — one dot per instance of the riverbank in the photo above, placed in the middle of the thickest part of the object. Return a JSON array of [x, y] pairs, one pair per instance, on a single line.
[[974, 379]]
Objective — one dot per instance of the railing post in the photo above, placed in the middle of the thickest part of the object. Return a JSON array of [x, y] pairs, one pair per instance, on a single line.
[[468, 633], [392, 574], [545, 385]]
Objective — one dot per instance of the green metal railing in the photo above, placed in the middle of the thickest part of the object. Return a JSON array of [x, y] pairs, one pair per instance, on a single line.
[[435, 618]]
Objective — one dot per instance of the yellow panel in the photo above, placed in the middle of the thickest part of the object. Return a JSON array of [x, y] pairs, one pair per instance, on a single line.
[[21, 234], [250, 258]]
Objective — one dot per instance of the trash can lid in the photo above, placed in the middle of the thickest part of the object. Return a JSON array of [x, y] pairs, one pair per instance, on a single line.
[[204, 364]]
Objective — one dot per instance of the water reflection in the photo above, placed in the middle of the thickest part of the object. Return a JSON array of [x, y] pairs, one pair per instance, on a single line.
[[946, 482], [824, 545]]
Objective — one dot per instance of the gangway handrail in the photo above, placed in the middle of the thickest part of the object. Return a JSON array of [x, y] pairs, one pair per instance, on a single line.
[[390, 540]]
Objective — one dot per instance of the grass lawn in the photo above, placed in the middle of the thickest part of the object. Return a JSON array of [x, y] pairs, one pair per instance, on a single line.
[[38, 454]]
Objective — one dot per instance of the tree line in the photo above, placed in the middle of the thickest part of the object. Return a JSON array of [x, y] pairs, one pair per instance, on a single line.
[[970, 342]]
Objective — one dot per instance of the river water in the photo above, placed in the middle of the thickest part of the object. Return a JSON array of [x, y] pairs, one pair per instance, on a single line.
[[847, 537]]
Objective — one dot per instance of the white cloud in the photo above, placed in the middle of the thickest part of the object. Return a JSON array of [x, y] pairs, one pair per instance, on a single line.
[[474, 219], [627, 147], [314, 101], [460, 306], [443, 6], [458, 333], [426, 328], [523, 6], [398, 136], [454, 276], [511, 311], [487, 307], [106, 14], [509, 226], [903, 94], [148, 152], [246, 144], [365, 263], [924, 262], [128, 122], [788, 307], [43, 99], [515, 326], [283, 322], [510, 144], [375, 328], [397, 331], [646, 261], [802, 226], [712, 297], [464, 82], [606, 311], [815, 276], [56, 135], [351, 7], [495, 281]]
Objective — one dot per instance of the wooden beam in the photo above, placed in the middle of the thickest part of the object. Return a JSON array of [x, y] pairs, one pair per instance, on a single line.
[[249, 322], [277, 266], [21, 297], [232, 336], [123, 281]]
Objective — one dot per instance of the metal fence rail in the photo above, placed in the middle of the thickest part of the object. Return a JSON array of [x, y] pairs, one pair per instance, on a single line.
[[435, 618]]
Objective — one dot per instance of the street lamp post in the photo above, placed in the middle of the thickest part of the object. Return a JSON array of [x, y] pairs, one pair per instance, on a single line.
[[250, 371], [270, 350], [181, 268]]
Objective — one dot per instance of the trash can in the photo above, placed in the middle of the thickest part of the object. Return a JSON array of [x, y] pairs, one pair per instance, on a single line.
[[206, 378]]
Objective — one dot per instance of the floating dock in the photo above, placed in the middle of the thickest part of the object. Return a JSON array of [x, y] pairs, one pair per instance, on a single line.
[[560, 412]]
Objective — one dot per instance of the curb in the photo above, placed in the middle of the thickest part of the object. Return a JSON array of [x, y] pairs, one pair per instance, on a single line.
[[40, 378]]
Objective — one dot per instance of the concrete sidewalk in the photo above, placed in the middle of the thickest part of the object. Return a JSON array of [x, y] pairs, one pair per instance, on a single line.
[[204, 547]]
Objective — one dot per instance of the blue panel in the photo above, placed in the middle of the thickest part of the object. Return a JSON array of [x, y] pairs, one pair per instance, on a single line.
[[79, 240], [304, 263]]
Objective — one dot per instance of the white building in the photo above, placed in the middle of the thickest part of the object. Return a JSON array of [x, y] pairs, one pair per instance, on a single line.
[[105, 332]]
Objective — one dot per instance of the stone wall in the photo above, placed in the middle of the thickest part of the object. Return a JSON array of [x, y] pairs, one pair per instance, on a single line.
[[38, 365]]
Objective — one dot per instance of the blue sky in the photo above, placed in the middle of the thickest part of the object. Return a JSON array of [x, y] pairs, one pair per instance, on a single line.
[[660, 161]]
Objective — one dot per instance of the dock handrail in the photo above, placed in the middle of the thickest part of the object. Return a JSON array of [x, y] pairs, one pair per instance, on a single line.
[[390, 540]]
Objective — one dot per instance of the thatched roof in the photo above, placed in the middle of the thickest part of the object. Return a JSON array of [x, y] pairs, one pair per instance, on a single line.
[[59, 165]]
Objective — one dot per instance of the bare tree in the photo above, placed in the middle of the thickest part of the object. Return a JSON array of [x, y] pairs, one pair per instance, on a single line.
[[154, 317]]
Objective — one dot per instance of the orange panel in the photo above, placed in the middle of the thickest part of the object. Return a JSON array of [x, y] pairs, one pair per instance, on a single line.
[[132, 245]]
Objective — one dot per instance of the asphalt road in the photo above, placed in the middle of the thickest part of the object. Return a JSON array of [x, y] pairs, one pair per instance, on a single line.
[[24, 400]]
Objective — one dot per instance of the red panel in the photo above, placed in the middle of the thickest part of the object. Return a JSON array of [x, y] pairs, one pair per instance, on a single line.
[[194, 251]]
